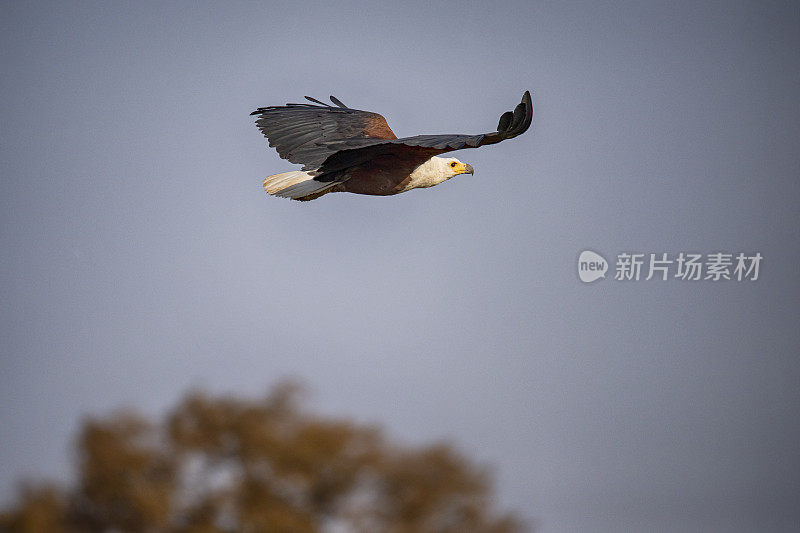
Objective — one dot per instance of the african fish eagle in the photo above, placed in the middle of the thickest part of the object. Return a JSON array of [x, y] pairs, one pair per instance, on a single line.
[[349, 150]]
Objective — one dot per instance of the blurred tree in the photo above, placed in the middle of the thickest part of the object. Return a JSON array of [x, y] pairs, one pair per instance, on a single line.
[[222, 464]]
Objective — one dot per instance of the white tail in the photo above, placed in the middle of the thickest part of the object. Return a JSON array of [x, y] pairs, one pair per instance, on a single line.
[[295, 185]]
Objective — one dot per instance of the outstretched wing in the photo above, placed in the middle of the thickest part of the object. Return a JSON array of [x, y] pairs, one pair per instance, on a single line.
[[351, 152], [307, 133], [512, 123]]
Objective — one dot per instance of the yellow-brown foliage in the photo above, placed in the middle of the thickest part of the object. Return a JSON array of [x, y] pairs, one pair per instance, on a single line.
[[224, 464]]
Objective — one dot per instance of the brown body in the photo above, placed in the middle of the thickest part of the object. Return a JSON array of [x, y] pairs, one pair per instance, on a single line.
[[383, 176]]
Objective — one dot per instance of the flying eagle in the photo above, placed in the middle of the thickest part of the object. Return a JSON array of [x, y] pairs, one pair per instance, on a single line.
[[349, 150]]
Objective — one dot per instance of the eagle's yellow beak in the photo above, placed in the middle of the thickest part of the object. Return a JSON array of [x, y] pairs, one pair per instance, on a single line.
[[468, 169]]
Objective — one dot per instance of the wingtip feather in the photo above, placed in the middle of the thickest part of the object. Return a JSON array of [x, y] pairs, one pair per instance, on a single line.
[[338, 102]]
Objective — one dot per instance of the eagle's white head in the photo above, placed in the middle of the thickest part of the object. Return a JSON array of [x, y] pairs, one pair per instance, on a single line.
[[436, 170]]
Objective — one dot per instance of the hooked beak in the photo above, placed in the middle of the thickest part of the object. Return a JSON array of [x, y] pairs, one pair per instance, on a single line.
[[469, 170]]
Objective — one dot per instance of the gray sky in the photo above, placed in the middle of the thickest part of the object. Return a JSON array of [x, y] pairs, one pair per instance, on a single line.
[[140, 256]]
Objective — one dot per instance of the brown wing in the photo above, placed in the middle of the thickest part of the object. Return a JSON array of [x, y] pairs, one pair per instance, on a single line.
[[307, 133], [352, 152]]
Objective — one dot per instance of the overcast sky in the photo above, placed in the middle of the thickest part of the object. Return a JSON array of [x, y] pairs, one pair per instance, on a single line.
[[139, 256]]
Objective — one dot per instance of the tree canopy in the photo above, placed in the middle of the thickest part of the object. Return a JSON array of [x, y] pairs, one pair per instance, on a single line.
[[221, 464]]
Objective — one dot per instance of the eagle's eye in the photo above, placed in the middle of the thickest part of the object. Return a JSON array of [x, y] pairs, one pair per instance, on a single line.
[[453, 164]]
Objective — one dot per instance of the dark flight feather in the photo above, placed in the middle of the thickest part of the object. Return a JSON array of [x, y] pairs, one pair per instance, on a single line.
[[338, 102], [315, 100]]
